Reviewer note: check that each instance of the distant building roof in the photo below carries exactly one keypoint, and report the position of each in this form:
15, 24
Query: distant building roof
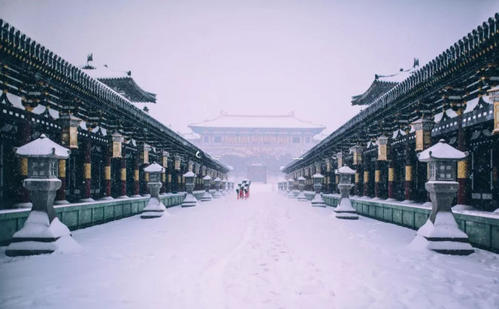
287, 121
382, 84
121, 82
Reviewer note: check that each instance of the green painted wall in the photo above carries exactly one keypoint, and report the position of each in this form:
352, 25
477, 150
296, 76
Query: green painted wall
482, 229
80, 215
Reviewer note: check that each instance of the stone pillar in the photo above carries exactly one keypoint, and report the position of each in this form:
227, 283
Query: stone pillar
344, 210
87, 172
154, 207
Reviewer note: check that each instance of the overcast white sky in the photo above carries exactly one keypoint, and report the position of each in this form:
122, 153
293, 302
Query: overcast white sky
259, 57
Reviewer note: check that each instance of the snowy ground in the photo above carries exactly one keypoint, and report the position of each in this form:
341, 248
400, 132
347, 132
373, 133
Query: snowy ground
266, 252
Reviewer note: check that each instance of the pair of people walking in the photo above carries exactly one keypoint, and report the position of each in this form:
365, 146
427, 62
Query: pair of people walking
243, 189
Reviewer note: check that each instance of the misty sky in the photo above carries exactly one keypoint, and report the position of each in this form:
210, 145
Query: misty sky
258, 57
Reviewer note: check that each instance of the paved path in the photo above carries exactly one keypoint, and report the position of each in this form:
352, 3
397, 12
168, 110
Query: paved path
265, 252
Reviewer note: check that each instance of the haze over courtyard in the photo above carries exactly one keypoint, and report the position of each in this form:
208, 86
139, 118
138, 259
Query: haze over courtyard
249, 154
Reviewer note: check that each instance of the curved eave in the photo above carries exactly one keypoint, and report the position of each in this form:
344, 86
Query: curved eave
129, 89
377, 89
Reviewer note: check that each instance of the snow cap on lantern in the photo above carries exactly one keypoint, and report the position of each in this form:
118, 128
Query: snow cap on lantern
317, 177
154, 171
189, 177
43, 154
345, 173
441, 158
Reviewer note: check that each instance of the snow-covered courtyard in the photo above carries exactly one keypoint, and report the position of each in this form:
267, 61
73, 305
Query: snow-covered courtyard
265, 252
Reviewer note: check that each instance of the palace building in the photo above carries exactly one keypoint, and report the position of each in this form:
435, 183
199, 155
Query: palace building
453, 97
94, 112
265, 140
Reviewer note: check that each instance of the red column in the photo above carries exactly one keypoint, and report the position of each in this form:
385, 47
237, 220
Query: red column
377, 179
61, 193
87, 171
22, 193
123, 176
462, 166
136, 174
366, 181
391, 177
107, 176
408, 173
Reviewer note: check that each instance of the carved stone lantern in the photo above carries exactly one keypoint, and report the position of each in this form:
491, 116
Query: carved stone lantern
42, 229
155, 207
344, 210
317, 200
301, 185
441, 230
217, 194
190, 200
207, 183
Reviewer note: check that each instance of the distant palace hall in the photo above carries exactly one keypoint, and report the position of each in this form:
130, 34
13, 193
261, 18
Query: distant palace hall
269, 140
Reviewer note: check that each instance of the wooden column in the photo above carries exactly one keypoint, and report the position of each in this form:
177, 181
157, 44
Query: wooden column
391, 179
107, 175
408, 173
60, 197
22, 194
87, 171
462, 166
164, 163
365, 176
123, 175
136, 177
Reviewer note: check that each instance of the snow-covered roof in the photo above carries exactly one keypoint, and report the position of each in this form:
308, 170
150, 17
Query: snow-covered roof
396, 77
317, 175
207, 177
345, 170
43, 147
287, 121
189, 174
217, 179
121, 82
441, 150
382, 84
192, 136
154, 168
301, 178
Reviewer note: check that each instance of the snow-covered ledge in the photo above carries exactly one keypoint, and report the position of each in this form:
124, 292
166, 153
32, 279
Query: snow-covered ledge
482, 227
